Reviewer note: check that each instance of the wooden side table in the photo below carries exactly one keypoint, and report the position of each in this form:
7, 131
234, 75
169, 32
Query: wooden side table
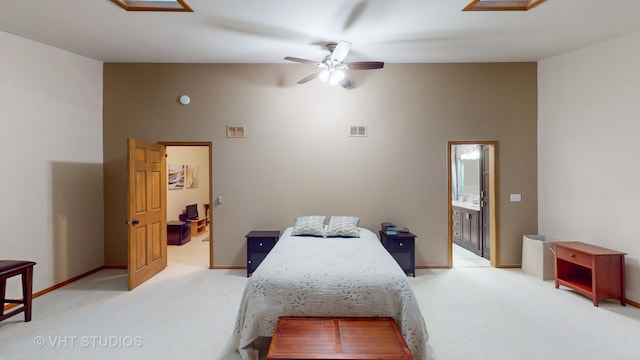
593, 271
259, 243
10, 268
402, 248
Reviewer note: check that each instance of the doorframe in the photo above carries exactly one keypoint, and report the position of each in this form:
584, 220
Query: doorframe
494, 241
208, 144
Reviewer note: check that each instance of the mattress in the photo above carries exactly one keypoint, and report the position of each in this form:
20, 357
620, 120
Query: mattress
327, 277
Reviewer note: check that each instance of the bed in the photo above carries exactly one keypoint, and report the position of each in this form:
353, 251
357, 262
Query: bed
333, 276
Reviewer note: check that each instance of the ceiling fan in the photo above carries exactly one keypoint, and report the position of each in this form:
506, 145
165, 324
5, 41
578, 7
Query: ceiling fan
333, 69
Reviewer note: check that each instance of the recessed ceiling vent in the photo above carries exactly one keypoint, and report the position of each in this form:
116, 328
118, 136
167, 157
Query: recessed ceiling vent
358, 130
502, 5
153, 5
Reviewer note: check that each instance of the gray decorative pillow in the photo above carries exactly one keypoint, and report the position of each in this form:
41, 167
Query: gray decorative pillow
344, 226
309, 225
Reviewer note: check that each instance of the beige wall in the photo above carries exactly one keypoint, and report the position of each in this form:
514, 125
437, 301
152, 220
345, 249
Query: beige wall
298, 159
51, 209
588, 149
178, 199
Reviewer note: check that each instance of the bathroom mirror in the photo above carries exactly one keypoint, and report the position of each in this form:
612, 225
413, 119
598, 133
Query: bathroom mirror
471, 177
465, 172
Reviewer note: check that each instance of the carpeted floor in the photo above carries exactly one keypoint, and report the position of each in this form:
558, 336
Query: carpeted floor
188, 312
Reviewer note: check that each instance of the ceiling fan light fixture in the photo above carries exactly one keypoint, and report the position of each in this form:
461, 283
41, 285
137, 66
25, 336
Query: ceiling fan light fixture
333, 77
336, 77
324, 76
334, 69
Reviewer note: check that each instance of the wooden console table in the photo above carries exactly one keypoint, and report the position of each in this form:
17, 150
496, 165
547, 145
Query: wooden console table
592, 271
198, 226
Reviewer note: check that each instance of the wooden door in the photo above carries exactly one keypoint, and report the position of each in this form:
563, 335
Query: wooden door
147, 220
485, 197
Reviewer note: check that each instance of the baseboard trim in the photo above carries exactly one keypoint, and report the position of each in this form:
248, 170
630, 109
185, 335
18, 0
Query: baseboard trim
632, 303
509, 266
115, 266
59, 285
228, 267
432, 267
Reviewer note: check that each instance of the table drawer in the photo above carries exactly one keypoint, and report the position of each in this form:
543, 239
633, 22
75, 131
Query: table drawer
574, 256
260, 243
397, 243
255, 259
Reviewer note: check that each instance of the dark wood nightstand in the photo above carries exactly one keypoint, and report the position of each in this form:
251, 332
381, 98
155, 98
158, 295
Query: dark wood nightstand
259, 243
402, 248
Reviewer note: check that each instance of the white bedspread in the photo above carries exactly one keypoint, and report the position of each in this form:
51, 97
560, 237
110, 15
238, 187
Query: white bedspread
309, 276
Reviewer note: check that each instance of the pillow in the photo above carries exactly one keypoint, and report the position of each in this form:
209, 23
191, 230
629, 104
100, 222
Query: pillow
344, 226
309, 225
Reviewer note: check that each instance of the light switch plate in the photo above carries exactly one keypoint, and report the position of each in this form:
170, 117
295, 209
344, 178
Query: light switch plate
515, 197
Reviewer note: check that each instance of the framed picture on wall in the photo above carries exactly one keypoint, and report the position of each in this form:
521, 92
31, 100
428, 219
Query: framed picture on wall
192, 177
176, 176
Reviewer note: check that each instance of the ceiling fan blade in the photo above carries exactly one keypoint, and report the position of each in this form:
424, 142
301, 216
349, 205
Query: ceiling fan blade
309, 78
354, 14
304, 61
340, 52
346, 82
365, 65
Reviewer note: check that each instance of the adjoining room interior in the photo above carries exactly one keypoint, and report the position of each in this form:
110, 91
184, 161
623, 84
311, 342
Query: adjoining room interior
465, 258
188, 171
473, 231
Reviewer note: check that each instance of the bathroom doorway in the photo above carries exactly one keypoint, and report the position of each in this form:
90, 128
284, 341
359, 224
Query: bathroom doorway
472, 209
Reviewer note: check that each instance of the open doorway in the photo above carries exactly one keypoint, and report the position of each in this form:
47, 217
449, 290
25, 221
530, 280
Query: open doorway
473, 240
189, 225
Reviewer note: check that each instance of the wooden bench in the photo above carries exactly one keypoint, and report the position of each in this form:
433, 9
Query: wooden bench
10, 268
338, 338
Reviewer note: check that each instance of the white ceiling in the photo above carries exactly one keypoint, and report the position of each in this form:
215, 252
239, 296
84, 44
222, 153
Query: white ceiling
265, 31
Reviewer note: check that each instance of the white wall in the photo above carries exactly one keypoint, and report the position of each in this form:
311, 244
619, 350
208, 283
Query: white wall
588, 149
51, 208
177, 200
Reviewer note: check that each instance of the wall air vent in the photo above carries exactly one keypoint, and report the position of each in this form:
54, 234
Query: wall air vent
236, 131
358, 130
